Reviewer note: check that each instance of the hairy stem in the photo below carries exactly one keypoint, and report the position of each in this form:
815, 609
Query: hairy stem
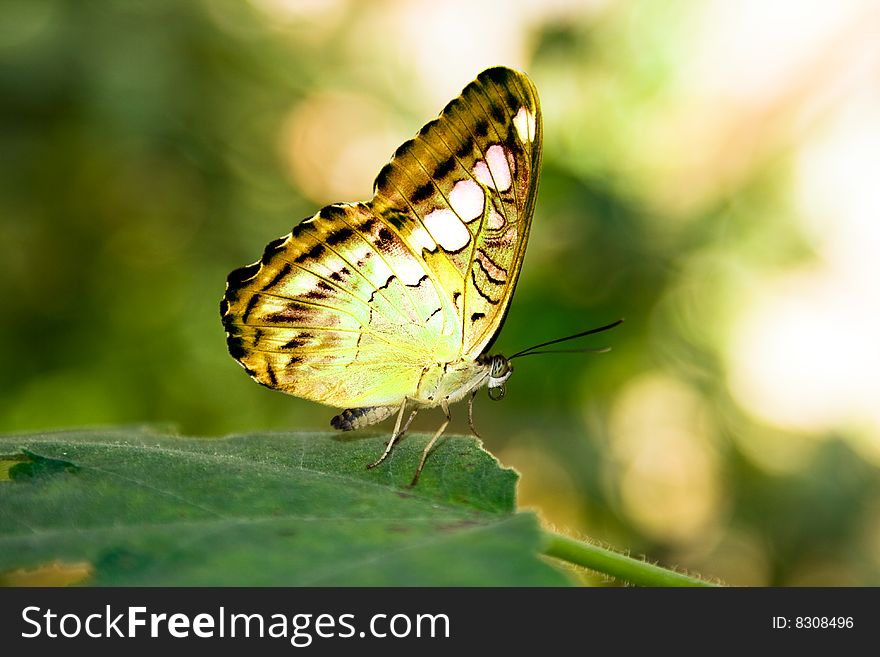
614, 564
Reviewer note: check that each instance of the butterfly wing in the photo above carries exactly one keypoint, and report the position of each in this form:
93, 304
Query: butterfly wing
358, 302
462, 195
338, 311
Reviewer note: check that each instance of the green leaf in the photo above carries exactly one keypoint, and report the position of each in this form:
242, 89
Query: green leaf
132, 507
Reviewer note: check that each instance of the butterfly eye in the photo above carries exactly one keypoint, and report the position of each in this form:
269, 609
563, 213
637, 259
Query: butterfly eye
497, 393
501, 368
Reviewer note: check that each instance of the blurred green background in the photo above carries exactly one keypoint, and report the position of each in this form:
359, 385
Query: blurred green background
710, 173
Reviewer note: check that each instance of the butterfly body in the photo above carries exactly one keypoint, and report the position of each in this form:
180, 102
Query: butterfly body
441, 382
372, 306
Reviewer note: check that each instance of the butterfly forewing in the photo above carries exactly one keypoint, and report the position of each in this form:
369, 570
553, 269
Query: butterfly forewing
355, 303
462, 194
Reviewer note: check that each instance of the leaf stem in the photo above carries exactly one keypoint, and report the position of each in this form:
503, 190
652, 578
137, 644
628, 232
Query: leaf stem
614, 564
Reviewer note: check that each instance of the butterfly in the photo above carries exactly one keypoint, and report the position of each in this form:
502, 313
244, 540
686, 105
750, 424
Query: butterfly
394, 303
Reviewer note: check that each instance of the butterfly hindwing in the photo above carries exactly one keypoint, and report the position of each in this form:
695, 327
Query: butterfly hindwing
358, 302
339, 291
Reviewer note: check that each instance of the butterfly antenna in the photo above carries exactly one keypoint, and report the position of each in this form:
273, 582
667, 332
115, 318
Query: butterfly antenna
531, 350
600, 350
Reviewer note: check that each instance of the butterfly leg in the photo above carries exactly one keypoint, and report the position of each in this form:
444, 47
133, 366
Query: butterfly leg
471, 415
396, 434
445, 406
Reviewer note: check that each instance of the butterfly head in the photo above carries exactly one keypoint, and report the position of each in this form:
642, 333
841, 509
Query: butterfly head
500, 370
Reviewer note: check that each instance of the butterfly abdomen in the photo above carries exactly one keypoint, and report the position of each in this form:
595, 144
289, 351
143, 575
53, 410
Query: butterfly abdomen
355, 418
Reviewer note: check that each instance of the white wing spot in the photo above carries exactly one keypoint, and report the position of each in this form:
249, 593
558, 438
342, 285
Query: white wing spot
446, 229
497, 159
496, 221
495, 174
481, 173
524, 122
422, 240
467, 199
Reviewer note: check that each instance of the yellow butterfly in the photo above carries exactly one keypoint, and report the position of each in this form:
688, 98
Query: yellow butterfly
379, 306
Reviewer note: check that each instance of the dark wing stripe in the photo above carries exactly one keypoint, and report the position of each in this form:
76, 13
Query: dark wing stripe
489, 277
298, 327
327, 281
525, 99
501, 141
323, 279
470, 139
520, 202
479, 140
494, 302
